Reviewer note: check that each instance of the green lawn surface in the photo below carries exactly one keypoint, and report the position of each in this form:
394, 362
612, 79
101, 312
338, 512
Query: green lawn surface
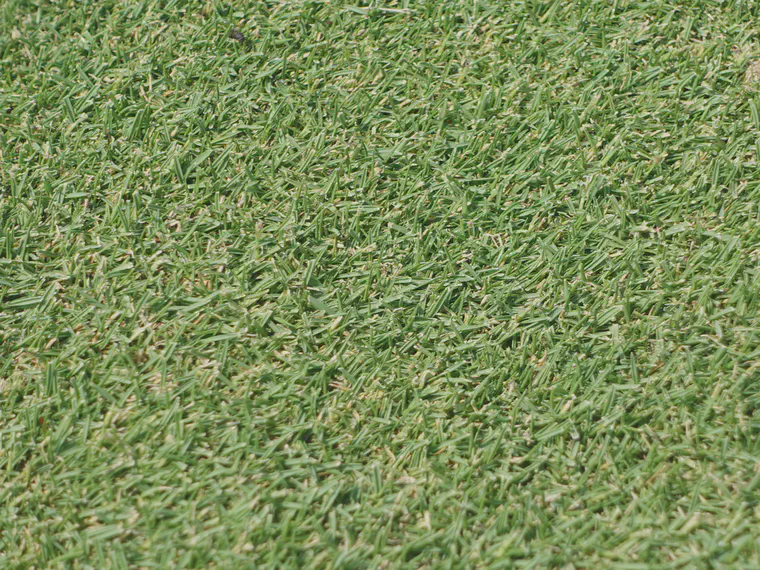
320, 284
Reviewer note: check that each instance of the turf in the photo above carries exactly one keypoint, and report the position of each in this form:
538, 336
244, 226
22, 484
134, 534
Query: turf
313, 284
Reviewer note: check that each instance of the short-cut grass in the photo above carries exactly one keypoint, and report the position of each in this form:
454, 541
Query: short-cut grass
322, 284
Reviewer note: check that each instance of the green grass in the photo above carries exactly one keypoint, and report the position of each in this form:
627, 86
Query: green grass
467, 284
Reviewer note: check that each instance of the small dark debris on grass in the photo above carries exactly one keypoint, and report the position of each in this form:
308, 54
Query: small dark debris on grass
238, 36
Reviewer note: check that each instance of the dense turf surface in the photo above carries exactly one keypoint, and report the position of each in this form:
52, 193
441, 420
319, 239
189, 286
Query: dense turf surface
442, 284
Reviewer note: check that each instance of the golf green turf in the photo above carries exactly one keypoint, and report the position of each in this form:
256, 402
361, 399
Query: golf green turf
314, 284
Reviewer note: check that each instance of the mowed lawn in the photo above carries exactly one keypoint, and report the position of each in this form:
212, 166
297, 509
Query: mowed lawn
320, 284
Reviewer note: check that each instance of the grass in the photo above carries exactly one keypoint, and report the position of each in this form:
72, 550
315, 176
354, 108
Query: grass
315, 284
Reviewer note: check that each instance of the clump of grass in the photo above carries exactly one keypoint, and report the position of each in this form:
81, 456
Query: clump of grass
409, 284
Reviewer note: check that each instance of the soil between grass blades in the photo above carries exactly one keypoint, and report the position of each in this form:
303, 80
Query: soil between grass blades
417, 284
